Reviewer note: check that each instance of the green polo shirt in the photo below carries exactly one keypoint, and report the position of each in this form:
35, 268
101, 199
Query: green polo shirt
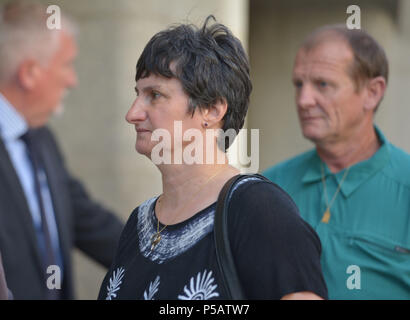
366, 242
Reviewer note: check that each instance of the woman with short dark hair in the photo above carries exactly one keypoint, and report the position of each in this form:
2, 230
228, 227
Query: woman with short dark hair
191, 82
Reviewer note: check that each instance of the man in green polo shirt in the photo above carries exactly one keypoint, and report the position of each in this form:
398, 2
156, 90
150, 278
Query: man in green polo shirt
354, 186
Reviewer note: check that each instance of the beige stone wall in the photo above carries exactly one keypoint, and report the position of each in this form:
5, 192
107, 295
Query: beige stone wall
276, 30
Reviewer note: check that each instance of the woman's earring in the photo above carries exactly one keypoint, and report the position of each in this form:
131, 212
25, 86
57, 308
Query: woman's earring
205, 124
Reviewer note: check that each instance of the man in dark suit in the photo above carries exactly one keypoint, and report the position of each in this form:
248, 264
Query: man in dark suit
44, 211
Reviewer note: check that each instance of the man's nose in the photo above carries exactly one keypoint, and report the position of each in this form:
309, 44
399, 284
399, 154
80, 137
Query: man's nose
305, 97
137, 112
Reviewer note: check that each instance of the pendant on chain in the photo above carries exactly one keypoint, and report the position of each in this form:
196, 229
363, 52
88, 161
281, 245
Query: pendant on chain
326, 216
156, 238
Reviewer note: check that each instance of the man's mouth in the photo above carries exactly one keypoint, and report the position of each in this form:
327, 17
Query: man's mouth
309, 118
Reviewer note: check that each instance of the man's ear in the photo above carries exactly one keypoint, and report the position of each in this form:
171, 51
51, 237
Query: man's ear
375, 91
212, 116
28, 74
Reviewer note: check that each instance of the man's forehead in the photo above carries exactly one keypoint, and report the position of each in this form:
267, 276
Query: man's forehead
66, 50
331, 55
68, 40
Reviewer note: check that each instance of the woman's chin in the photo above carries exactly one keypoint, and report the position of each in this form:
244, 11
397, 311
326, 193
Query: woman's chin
143, 150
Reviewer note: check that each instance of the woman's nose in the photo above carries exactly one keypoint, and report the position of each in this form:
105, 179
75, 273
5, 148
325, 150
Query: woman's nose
136, 113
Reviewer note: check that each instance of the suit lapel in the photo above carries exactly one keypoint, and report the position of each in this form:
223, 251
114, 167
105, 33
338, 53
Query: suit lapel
16, 194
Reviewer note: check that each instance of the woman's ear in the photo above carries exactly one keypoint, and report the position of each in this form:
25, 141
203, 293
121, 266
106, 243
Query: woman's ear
213, 115
375, 91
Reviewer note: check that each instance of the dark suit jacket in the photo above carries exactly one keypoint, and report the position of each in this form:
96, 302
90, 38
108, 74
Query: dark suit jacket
4, 293
80, 222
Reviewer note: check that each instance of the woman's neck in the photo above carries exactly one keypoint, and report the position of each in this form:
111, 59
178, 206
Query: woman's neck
189, 188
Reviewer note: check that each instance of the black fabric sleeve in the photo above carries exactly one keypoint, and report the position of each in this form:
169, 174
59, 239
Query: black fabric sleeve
276, 252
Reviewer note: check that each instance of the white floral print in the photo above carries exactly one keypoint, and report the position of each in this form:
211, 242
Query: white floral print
152, 290
115, 282
201, 289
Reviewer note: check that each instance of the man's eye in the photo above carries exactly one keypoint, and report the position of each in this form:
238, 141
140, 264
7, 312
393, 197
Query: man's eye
322, 84
155, 95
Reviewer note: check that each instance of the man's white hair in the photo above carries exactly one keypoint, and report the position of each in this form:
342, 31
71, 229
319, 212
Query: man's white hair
24, 35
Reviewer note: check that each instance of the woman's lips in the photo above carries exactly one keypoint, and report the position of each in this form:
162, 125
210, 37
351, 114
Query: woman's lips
142, 130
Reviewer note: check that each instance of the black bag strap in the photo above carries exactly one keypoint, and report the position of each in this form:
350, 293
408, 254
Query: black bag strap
224, 256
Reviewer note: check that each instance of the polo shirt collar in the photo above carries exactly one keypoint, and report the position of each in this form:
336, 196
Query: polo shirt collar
358, 173
12, 124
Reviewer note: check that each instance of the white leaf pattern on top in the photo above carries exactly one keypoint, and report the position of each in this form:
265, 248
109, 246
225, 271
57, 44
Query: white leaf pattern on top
201, 289
115, 282
152, 289
173, 243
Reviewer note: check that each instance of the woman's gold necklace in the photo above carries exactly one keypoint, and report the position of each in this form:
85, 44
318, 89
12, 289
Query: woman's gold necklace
156, 238
326, 215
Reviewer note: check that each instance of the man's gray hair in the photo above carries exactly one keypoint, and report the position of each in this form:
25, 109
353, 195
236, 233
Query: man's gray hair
24, 35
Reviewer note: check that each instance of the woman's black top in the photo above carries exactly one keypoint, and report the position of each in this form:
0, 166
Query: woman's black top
275, 251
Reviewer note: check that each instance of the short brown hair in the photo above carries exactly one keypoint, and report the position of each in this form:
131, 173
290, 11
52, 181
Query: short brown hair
369, 58
211, 65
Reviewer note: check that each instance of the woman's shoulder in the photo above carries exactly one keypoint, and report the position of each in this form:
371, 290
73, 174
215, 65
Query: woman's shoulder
260, 209
258, 190
261, 203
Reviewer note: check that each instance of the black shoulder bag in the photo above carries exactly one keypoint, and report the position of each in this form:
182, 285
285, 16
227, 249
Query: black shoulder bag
224, 256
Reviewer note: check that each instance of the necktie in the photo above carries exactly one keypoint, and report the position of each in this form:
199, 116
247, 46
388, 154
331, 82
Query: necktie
48, 254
